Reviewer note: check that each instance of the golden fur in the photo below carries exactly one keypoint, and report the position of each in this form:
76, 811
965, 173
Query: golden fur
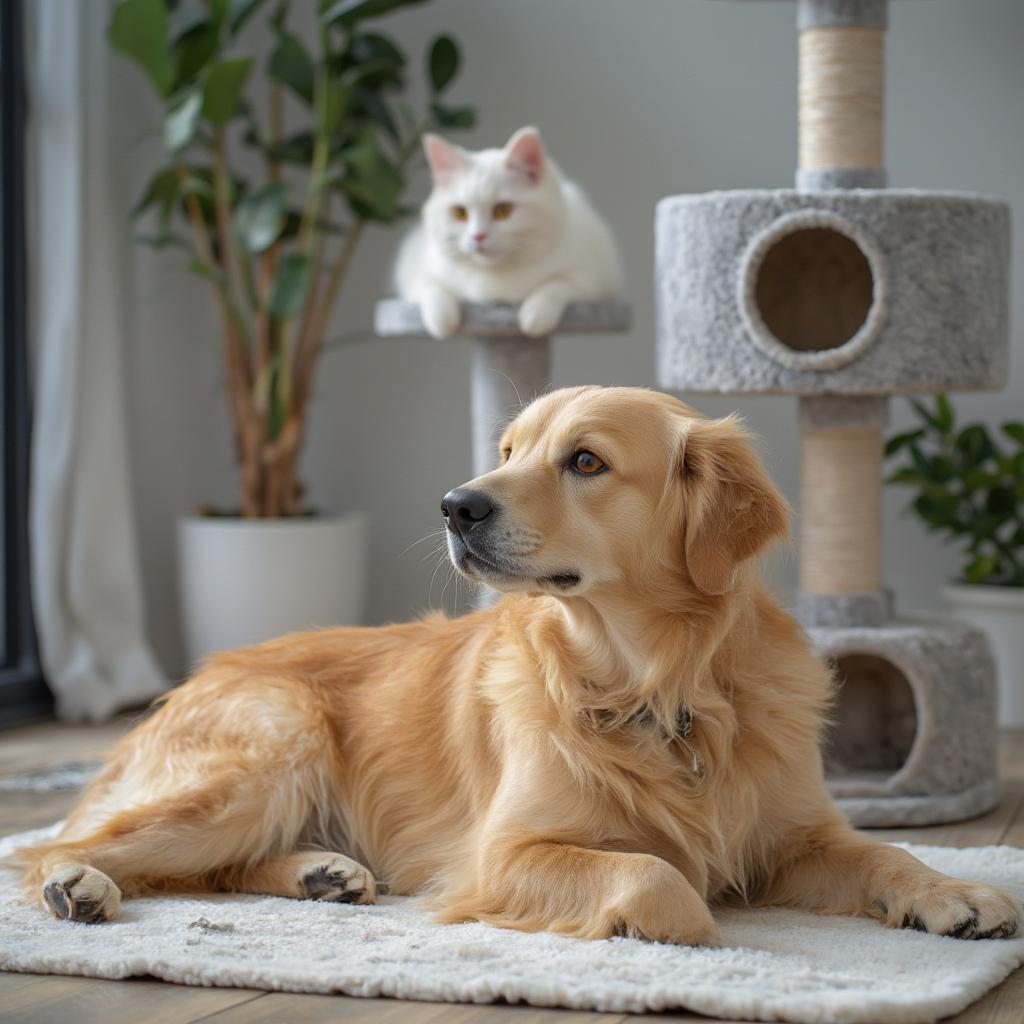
630, 736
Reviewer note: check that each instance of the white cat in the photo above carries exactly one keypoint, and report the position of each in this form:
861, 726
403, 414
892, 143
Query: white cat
504, 225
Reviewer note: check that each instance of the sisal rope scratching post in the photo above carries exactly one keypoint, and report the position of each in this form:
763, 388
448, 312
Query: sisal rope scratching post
841, 130
840, 511
841, 94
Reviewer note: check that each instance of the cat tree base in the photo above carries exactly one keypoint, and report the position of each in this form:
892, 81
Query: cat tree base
914, 719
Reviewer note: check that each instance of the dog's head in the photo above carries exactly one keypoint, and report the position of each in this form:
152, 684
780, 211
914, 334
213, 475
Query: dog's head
606, 487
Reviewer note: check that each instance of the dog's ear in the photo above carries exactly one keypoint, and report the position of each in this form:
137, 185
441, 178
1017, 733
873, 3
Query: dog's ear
732, 510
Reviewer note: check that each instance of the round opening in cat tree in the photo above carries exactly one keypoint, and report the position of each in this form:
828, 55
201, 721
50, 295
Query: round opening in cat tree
812, 291
875, 721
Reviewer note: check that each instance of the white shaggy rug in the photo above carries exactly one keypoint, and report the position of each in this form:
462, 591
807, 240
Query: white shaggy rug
774, 965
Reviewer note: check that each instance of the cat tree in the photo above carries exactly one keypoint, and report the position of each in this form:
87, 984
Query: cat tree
843, 292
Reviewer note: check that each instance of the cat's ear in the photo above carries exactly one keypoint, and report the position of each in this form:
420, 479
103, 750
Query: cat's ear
444, 158
525, 152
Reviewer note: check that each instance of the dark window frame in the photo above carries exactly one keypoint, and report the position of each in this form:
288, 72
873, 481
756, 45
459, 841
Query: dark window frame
23, 694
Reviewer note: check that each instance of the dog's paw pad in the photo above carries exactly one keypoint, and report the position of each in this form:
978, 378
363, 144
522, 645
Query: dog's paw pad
79, 893
339, 880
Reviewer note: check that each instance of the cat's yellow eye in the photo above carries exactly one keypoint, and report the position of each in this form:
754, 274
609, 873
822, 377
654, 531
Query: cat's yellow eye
502, 211
460, 212
587, 464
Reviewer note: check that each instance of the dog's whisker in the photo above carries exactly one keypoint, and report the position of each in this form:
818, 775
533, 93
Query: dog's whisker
433, 575
429, 536
440, 548
514, 386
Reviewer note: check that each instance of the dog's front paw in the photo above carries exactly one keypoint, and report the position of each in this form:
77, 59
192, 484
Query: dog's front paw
540, 314
76, 892
699, 930
659, 905
334, 878
441, 314
960, 910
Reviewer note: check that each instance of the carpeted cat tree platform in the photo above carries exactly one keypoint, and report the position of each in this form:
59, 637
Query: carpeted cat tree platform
844, 292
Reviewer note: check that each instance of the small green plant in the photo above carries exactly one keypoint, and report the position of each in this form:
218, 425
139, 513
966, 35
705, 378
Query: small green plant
275, 251
969, 488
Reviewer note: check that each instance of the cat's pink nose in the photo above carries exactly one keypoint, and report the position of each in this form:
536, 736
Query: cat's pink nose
479, 236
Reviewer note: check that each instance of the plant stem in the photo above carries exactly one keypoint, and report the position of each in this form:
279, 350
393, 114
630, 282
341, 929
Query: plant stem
235, 276
235, 360
311, 342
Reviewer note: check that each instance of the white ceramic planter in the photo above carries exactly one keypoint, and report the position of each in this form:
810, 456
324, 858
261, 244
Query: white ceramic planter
246, 580
999, 611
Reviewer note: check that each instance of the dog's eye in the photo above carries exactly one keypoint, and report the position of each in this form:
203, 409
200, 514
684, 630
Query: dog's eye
460, 212
502, 211
587, 463
506, 454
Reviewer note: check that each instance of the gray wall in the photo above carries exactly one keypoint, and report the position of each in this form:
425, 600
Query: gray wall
637, 100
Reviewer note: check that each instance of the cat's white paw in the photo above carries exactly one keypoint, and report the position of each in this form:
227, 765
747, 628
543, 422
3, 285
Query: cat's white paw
441, 315
539, 314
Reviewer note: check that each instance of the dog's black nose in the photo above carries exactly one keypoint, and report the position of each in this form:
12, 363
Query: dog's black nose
463, 509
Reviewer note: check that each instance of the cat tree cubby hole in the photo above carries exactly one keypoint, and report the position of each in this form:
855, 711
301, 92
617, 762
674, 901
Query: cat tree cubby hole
811, 290
874, 721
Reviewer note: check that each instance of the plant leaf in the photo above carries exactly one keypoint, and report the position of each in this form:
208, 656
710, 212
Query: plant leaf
193, 53
974, 445
240, 11
291, 284
943, 414
370, 106
898, 441
371, 183
162, 191
453, 117
1015, 431
336, 99
442, 63
259, 217
181, 121
372, 46
904, 475
223, 88
139, 30
346, 12
934, 469
981, 569
290, 63
185, 16
924, 412
1001, 501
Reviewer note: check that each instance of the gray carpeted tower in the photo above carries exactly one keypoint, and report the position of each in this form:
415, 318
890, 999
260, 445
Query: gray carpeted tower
844, 292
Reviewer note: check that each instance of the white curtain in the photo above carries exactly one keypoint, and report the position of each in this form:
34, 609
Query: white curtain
87, 591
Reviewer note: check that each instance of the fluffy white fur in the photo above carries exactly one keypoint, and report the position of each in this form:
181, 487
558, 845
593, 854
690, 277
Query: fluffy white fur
504, 225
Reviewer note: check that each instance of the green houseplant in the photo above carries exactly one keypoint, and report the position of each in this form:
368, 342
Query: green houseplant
279, 154
968, 484
275, 251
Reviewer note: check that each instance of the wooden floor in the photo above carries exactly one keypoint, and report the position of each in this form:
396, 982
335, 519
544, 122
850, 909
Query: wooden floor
39, 999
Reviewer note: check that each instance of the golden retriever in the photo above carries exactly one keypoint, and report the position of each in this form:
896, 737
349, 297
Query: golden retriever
630, 736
